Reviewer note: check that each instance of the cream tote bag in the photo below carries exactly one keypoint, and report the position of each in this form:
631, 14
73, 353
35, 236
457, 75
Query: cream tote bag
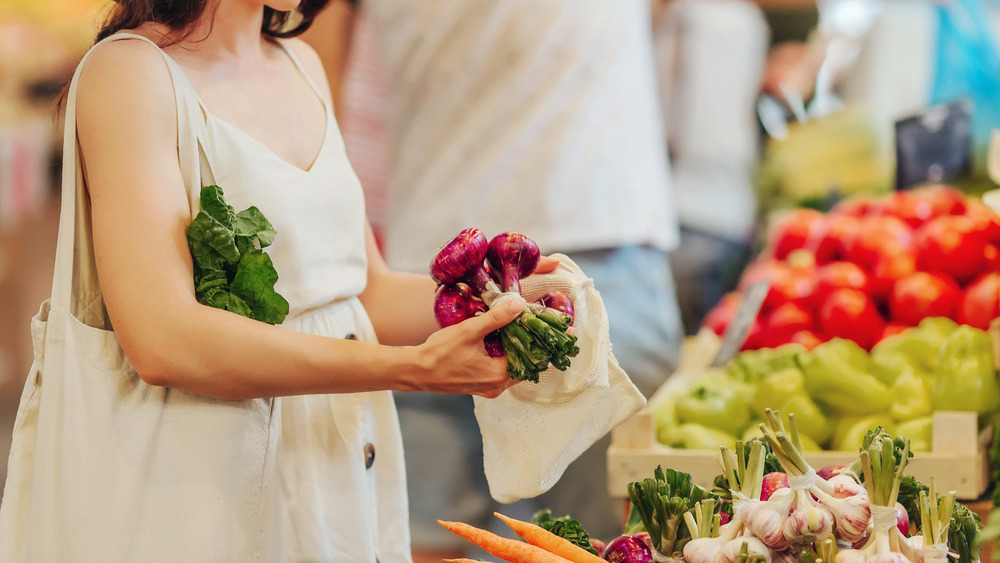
104, 467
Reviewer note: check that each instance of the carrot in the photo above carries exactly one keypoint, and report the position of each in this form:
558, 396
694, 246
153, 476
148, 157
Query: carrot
515, 551
540, 537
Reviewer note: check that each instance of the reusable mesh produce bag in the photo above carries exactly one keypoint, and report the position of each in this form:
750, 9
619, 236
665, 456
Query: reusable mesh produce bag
534, 431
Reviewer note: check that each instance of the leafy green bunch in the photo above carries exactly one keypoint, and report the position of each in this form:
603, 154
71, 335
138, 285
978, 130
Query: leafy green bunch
231, 271
658, 506
564, 527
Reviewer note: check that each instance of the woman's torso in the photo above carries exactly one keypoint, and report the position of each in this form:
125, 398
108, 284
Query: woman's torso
332, 501
316, 204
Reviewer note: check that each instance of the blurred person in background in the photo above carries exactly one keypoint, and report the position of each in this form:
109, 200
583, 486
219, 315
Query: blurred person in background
713, 61
710, 60
539, 117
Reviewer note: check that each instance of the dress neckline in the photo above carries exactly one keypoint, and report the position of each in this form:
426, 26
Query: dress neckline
209, 116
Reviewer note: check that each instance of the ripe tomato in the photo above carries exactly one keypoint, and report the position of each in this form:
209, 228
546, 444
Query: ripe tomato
991, 258
755, 337
807, 338
986, 221
718, 317
921, 295
837, 234
761, 269
890, 268
851, 314
877, 236
792, 231
787, 319
951, 244
944, 200
857, 206
837, 275
981, 301
914, 211
793, 286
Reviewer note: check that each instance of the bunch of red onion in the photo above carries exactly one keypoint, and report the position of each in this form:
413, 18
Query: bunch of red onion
475, 275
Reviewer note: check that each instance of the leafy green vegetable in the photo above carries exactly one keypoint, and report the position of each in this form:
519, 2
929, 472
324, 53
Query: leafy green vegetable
564, 527
963, 534
720, 484
231, 271
658, 506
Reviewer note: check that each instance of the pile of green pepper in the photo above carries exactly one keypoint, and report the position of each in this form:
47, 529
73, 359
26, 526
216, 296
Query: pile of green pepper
838, 391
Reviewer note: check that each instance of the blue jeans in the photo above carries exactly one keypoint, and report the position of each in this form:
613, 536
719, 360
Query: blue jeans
444, 452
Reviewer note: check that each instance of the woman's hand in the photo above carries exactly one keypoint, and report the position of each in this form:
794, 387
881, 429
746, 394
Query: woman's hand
454, 359
546, 265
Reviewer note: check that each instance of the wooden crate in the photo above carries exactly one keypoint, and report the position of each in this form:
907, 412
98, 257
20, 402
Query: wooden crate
958, 462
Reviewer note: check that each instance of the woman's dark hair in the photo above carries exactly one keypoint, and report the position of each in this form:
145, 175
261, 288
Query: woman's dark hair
180, 15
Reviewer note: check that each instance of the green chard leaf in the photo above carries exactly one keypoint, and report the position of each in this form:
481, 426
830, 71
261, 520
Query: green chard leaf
564, 527
231, 272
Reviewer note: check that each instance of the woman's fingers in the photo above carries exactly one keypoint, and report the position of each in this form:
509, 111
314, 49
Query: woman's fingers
495, 318
546, 264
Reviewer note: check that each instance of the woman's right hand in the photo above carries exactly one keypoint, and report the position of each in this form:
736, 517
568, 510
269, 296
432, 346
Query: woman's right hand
454, 360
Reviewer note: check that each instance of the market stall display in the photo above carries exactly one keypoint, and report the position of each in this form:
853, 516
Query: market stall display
871, 267
768, 503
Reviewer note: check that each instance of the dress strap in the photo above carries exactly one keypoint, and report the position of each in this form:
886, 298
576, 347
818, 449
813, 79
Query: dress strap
302, 71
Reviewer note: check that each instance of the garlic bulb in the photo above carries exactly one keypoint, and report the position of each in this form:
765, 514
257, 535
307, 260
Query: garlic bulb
845, 486
851, 514
701, 550
765, 520
808, 524
731, 550
887, 557
851, 556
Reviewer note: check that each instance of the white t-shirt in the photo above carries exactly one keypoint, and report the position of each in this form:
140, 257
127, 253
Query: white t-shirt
535, 116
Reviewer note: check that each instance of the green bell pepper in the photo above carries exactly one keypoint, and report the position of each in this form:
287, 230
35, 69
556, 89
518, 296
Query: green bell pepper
920, 432
918, 347
836, 375
754, 365
809, 418
696, 437
776, 388
849, 431
910, 398
716, 402
753, 431
965, 379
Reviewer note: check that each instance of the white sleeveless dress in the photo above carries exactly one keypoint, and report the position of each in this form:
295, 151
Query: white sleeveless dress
169, 476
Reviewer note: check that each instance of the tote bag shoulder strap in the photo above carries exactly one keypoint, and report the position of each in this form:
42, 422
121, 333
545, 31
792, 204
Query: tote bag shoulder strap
74, 285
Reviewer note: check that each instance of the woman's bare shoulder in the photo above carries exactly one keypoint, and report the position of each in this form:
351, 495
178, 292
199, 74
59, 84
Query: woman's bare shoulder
125, 79
310, 61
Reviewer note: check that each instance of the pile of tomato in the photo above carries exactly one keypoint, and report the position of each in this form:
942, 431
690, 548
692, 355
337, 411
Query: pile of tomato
871, 267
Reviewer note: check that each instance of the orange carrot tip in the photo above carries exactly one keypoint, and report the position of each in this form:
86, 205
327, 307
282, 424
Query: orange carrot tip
514, 551
540, 537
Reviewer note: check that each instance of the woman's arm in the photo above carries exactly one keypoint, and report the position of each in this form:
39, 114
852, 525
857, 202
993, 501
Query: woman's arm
400, 305
127, 135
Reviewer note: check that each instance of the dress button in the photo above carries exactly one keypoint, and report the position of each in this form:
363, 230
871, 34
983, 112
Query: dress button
350, 336
369, 455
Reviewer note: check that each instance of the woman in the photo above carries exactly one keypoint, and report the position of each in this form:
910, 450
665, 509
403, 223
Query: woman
180, 458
